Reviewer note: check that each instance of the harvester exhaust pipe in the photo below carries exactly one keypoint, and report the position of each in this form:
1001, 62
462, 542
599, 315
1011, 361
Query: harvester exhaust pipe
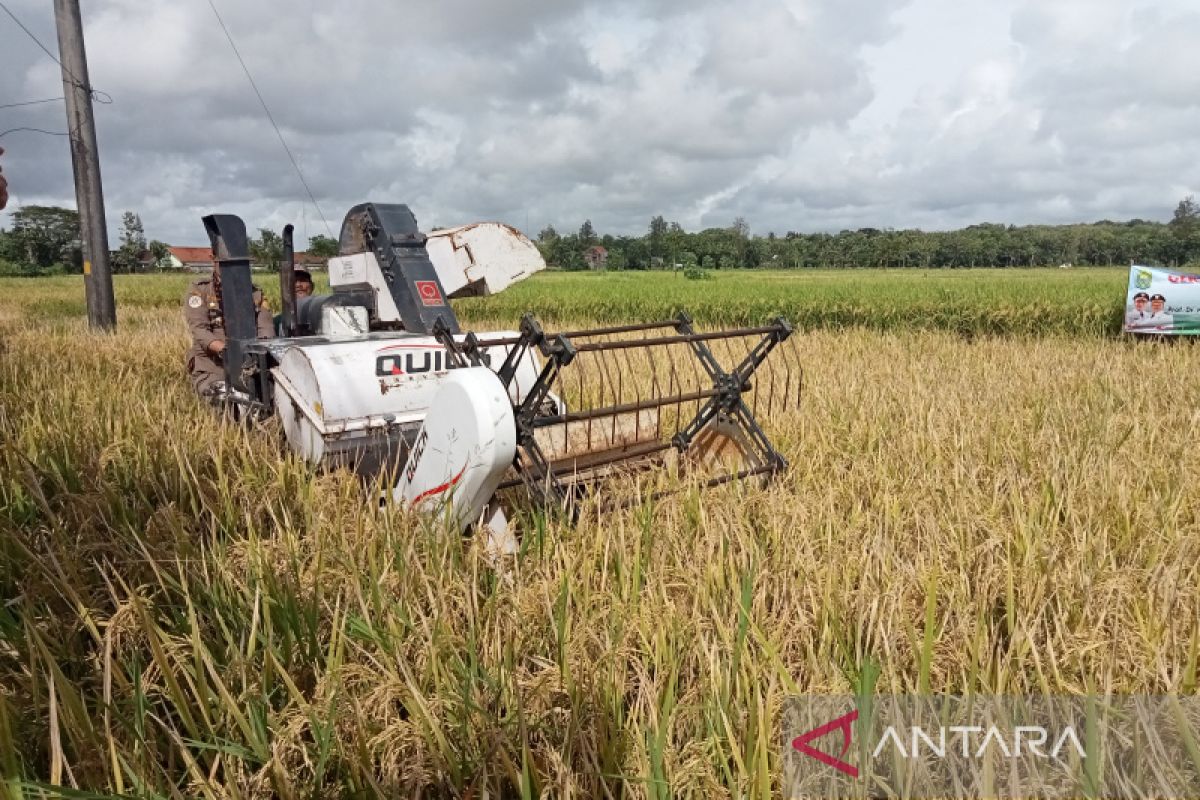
231, 250
287, 281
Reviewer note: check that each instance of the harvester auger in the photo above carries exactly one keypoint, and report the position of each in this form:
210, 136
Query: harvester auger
377, 376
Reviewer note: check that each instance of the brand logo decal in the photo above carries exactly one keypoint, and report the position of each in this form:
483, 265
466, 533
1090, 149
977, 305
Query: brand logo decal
429, 293
416, 360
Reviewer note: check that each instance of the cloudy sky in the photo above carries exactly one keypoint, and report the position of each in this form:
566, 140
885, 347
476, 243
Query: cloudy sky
803, 115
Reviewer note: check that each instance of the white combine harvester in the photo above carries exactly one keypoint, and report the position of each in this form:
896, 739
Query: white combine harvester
377, 376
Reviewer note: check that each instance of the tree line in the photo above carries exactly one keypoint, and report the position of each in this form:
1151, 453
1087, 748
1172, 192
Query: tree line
45, 239
666, 245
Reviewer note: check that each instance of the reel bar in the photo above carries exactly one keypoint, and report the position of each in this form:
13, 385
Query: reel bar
625, 408
584, 464
593, 332
641, 326
622, 344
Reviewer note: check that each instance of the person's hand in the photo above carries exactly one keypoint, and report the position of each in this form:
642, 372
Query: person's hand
217, 347
3, 185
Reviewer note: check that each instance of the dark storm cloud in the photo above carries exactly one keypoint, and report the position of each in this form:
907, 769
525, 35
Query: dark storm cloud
542, 111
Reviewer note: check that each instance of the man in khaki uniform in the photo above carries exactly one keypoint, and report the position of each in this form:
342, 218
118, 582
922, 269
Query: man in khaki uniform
206, 323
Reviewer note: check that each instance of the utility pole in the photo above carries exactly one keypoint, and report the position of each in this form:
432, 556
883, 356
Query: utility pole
85, 160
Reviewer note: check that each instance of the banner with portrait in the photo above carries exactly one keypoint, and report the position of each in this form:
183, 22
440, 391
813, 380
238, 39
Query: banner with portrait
1163, 302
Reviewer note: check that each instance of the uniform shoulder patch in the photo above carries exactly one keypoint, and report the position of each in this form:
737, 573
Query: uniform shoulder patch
195, 301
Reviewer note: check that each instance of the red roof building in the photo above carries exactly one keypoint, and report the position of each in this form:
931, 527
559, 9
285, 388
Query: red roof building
191, 257
596, 256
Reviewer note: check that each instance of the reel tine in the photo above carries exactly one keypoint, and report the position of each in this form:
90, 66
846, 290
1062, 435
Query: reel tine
796, 366
632, 371
655, 389
781, 379
596, 392
764, 382
583, 389
699, 377
673, 386
620, 393
615, 388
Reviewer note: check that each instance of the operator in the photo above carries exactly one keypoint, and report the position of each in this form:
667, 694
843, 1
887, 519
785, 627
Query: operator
302, 287
206, 323
302, 283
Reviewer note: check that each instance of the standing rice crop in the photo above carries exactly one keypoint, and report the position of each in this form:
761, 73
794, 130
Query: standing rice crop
185, 610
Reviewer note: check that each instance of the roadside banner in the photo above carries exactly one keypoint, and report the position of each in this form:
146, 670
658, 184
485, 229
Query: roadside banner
1162, 301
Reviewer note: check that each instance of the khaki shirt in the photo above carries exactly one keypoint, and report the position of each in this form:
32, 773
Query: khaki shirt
206, 323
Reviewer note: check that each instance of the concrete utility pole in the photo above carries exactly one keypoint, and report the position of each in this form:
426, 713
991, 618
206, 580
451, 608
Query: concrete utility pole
85, 159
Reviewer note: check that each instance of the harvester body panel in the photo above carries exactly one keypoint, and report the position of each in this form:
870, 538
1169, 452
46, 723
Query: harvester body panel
361, 271
464, 447
360, 401
482, 259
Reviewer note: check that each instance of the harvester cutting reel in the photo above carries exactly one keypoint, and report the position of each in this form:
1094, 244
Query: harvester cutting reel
643, 396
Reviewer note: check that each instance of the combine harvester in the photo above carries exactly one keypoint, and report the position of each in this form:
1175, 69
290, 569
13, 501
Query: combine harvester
377, 376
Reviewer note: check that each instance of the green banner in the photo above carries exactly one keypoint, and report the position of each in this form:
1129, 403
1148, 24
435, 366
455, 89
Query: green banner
1162, 302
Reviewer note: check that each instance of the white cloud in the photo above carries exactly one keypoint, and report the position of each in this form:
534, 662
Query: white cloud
796, 114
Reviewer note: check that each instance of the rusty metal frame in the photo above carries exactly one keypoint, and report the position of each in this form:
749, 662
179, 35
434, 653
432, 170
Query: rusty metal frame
722, 402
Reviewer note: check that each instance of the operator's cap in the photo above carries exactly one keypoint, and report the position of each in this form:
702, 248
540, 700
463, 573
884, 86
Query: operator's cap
1158, 297
302, 275
1141, 296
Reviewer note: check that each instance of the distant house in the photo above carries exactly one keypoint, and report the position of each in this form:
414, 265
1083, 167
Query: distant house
595, 257
310, 262
192, 259
199, 259
145, 261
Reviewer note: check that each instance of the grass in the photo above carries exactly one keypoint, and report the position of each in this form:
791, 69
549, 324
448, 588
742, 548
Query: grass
1086, 302
1079, 302
187, 612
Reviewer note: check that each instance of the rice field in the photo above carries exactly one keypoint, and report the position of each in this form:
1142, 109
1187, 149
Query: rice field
1086, 302
1077, 302
999, 501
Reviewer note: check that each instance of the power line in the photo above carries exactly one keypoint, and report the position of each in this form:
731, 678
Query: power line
34, 130
103, 98
99, 97
271, 118
36, 40
32, 102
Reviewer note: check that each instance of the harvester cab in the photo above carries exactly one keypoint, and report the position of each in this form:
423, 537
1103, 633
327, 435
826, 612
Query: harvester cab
377, 376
